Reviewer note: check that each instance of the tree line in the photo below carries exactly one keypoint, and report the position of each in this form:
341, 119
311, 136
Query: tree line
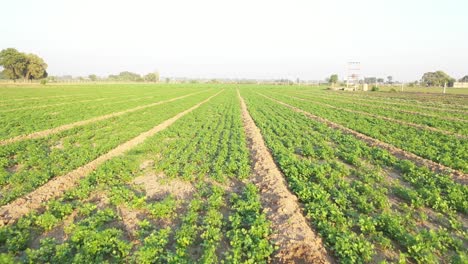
429, 79
18, 65
124, 76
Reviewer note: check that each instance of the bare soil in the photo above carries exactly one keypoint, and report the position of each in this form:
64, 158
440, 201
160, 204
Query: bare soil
158, 186
297, 242
58, 185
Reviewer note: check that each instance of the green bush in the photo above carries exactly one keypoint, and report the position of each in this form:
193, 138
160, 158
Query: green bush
375, 88
43, 81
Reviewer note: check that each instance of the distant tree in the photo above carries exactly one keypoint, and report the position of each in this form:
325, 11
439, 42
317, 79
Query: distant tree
370, 80
438, 78
380, 80
20, 65
92, 77
51, 79
390, 79
333, 78
129, 76
126, 76
36, 67
168, 80
151, 77
14, 63
464, 79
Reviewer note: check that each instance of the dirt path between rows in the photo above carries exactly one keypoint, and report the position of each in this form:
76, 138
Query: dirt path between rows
297, 242
55, 130
456, 175
58, 185
449, 133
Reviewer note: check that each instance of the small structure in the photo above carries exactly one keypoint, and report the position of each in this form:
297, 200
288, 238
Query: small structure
460, 85
353, 74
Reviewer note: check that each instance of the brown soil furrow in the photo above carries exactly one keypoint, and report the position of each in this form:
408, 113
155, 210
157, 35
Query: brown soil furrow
58, 185
297, 242
384, 118
457, 176
390, 108
55, 130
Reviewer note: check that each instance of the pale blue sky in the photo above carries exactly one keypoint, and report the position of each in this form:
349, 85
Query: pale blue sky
241, 38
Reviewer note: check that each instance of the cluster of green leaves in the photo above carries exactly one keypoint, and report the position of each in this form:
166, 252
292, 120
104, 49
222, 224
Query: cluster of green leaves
90, 240
188, 231
249, 229
344, 187
153, 249
212, 226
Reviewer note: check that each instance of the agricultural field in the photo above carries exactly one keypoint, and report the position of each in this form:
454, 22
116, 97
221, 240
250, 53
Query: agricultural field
224, 173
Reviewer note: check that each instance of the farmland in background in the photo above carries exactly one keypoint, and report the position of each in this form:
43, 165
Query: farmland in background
173, 173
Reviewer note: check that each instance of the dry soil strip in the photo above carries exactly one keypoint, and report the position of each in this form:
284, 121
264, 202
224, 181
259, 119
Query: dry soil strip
297, 242
449, 133
346, 101
457, 176
55, 130
57, 186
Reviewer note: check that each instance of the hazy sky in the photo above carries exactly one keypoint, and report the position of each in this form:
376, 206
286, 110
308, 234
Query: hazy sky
307, 39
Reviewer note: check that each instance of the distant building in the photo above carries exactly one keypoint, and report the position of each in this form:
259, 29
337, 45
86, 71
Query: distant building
460, 85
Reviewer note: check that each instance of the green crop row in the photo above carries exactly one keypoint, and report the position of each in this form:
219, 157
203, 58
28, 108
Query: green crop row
438, 104
168, 229
445, 149
436, 111
45, 102
348, 192
25, 165
31, 120
460, 127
